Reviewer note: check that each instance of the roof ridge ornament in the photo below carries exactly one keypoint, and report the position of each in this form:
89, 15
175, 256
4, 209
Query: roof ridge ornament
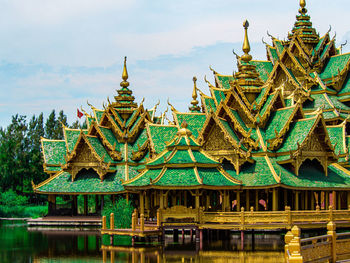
246, 57
125, 76
194, 102
302, 9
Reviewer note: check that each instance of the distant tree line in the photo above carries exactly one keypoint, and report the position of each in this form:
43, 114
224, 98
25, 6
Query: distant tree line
21, 160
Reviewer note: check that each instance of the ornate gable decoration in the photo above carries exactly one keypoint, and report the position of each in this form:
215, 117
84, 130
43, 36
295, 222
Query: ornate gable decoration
84, 156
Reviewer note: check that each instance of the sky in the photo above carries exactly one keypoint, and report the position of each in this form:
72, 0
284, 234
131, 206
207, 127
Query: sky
59, 54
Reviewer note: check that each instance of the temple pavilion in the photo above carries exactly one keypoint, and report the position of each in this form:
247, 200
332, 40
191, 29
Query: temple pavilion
273, 134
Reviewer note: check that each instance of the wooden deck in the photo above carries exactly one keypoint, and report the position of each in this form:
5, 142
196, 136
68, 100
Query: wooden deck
66, 221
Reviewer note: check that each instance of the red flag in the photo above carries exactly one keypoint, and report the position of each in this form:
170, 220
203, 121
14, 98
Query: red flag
79, 113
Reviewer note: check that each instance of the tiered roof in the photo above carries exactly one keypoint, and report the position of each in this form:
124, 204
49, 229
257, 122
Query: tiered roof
260, 127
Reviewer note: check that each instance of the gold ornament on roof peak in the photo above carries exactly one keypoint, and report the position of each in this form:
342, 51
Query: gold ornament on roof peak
125, 75
246, 46
184, 131
302, 9
194, 102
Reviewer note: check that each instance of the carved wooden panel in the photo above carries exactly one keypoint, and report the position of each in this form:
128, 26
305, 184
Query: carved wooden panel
217, 141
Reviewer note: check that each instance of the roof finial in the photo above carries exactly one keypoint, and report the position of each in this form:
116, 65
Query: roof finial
194, 102
302, 9
246, 47
125, 76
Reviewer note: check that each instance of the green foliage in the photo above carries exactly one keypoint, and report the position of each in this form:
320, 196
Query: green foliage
21, 160
10, 198
122, 213
13, 205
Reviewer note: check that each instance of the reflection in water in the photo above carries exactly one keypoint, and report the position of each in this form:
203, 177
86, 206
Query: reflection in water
19, 244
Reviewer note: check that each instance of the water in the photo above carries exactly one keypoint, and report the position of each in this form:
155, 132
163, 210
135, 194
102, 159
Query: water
21, 244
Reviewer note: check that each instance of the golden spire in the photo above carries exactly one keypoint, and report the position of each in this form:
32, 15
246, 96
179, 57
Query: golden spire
125, 76
246, 47
194, 102
302, 9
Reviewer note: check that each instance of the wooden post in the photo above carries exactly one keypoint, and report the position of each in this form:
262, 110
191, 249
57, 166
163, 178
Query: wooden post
348, 197
159, 220
331, 226
274, 199
142, 222
289, 217
127, 197
96, 203
296, 205
104, 225
185, 198
238, 198
339, 194
312, 200
285, 197
207, 203
242, 218
161, 200
197, 199
133, 221
111, 225
326, 199
256, 200
334, 200
330, 213
306, 206
142, 203
85, 205
247, 200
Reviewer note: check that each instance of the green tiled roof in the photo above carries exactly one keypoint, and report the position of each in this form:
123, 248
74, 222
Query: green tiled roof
229, 130
99, 149
53, 168
211, 176
336, 135
87, 181
239, 119
54, 151
267, 103
99, 114
195, 121
256, 174
110, 137
225, 81
144, 178
71, 137
219, 96
210, 104
178, 177
312, 177
279, 46
264, 68
297, 134
274, 54
335, 64
160, 134
277, 121
346, 86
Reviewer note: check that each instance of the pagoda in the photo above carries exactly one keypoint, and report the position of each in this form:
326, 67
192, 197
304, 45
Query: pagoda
273, 134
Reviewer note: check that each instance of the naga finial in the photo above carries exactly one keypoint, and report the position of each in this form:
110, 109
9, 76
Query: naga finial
246, 46
125, 76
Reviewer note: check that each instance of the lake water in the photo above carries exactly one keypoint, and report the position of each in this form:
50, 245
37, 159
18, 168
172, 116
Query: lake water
21, 244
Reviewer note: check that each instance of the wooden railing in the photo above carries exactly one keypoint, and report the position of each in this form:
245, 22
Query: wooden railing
253, 219
326, 248
244, 220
